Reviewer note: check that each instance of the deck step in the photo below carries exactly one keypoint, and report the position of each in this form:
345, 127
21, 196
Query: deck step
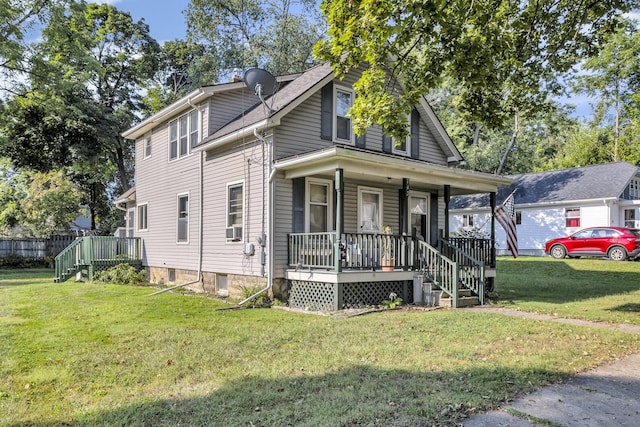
466, 301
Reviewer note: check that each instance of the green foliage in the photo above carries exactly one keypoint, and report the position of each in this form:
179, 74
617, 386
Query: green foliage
243, 34
393, 301
506, 56
261, 300
121, 274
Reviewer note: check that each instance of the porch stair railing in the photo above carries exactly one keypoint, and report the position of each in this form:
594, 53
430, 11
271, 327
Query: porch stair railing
453, 272
93, 253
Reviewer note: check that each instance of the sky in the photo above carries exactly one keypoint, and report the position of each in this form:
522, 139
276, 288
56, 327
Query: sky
165, 18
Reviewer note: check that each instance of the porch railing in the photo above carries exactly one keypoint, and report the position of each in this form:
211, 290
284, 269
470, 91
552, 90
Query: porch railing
442, 271
479, 249
96, 252
363, 251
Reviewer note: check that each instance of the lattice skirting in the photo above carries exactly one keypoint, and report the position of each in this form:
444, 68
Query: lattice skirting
320, 296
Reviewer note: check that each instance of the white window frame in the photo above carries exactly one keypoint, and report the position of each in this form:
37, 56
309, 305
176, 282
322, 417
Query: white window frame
468, 220
351, 92
178, 213
407, 144
185, 137
231, 185
147, 145
567, 217
142, 217
307, 204
427, 198
371, 190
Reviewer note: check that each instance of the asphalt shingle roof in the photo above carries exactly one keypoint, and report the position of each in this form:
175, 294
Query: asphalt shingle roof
581, 183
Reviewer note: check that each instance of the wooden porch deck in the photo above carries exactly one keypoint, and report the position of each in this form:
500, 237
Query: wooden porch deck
457, 267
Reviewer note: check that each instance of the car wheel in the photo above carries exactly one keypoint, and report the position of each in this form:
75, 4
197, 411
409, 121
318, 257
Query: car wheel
617, 253
558, 252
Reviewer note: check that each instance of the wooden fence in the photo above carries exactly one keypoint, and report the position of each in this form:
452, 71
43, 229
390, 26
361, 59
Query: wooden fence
32, 248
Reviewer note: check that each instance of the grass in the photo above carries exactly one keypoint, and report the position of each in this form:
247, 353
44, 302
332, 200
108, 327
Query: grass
89, 354
588, 289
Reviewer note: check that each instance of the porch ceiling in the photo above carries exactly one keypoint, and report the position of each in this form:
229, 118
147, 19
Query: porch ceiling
379, 167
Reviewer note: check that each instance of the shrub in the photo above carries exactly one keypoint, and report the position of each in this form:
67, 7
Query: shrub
122, 274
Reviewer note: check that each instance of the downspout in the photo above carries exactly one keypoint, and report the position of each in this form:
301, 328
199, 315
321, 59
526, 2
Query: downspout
269, 241
200, 218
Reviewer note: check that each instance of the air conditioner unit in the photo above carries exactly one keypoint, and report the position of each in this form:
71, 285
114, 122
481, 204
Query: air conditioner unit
234, 233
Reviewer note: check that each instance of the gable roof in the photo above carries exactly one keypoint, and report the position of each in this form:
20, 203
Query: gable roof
284, 100
605, 181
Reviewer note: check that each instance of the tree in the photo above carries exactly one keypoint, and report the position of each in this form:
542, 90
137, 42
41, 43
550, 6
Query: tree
277, 35
508, 56
85, 89
613, 79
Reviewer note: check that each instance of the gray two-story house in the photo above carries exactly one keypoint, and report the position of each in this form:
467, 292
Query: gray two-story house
282, 196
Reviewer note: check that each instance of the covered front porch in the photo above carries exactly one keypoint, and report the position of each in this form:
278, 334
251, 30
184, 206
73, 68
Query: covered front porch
343, 250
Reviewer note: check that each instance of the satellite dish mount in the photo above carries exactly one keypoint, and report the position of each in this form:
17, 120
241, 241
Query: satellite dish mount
262, 83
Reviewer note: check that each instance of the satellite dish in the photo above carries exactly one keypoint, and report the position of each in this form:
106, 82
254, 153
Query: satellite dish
262, 82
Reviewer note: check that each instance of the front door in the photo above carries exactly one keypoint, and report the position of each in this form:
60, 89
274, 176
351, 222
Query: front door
418, 207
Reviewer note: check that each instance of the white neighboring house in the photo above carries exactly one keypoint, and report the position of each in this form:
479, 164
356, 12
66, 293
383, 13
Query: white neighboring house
556, 203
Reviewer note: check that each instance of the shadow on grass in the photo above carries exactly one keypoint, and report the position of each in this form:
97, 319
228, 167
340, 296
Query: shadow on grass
562, 281
631, 307
360, 395
25, 276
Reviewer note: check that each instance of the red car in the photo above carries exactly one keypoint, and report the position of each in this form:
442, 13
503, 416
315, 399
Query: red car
616, 243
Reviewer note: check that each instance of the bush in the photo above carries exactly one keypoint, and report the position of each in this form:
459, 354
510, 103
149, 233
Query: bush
122, 274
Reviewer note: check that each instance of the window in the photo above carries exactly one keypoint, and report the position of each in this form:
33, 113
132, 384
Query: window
183, 218
404, 146
370, 210
467, 221
183, 135
518, 217
572, 217
147, 145
630, 218
142, 217
193, 128
318, 206
342, 127
235, 212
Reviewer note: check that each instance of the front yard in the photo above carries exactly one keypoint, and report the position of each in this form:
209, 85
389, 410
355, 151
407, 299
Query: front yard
89, 354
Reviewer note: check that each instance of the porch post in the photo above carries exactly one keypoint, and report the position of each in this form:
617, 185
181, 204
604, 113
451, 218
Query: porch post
339, 184
404, 221
447, 199
492, 203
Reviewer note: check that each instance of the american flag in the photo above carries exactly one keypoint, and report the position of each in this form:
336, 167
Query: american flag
505, 214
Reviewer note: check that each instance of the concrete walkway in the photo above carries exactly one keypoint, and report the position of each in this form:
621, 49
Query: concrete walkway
606, 396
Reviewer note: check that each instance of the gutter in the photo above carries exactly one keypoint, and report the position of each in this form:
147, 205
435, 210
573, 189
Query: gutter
241, 133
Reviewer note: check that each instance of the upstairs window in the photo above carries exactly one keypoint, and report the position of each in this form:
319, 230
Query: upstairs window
147, 145
572, 217
342, 126
183, 135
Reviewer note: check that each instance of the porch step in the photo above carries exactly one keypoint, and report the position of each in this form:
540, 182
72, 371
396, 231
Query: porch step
463, 301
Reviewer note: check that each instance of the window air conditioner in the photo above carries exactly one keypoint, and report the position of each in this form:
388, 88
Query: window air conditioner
234, 233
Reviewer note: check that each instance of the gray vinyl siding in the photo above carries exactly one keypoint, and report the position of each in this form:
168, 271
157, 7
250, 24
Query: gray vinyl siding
299, 131
283, 222
222, 168
226, 106
158, 183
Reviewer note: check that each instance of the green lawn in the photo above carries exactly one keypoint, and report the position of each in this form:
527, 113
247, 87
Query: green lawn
589, 289
89, 354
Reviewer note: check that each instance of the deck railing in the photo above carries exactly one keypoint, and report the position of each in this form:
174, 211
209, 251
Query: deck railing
470, 270
442, 271
96, 252
479, 249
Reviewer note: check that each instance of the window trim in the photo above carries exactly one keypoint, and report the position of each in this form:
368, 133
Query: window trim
140, 216
307, 202
352, 94
380, 193
468, 220
178, 197
230, 185
407, 142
